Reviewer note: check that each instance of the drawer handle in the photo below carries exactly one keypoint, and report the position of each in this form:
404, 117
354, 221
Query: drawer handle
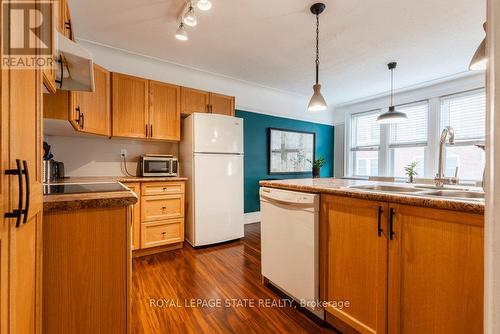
164, 189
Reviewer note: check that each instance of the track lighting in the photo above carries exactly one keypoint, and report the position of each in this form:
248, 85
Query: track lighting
181, 33
190, 16
204, 4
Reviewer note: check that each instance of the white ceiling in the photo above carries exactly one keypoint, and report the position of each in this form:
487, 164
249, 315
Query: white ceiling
271, 43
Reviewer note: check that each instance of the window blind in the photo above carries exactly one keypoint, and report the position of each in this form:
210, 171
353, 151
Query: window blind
365, 131
412, 132
466, 114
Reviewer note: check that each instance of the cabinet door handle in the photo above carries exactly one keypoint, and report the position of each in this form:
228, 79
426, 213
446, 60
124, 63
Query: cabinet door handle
83, 120
27, 182
77, 109
151, 131
208, 108
391, 223
17, 213
146, 131
379, 227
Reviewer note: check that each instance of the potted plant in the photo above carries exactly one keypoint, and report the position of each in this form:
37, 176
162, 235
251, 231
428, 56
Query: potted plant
411, 171
316, 166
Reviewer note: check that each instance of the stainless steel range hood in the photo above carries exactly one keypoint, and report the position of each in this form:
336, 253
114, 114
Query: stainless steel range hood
74, 70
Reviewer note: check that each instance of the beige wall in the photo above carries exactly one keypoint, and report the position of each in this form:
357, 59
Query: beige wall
95, 156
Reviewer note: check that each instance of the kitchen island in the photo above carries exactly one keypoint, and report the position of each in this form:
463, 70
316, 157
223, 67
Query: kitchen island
407, 258
87, 258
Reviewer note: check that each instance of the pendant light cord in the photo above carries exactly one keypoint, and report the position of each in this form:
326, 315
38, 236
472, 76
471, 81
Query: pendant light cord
317, 48
392, 86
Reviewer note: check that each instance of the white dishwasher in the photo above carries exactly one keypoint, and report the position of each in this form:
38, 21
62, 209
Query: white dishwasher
290, 244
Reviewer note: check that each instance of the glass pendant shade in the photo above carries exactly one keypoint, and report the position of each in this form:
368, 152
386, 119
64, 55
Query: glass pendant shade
181, 33
204, 4
392, 116
190, 17
479, 60
317, 102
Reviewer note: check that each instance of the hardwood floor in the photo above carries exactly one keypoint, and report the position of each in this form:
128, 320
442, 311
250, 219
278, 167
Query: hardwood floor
165, 285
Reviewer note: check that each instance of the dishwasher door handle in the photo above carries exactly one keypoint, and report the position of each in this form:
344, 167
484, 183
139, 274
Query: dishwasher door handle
285, 202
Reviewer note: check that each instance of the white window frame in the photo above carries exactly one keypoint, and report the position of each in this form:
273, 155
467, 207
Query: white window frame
351, 149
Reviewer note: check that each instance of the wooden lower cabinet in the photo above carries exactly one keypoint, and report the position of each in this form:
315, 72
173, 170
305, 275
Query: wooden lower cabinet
356, 262
435, 272
403, 269
158, 223
87, 271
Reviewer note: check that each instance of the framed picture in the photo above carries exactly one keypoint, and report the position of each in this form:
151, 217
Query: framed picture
290, 151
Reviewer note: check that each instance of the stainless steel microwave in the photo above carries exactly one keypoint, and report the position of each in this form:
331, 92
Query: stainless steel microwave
159, 166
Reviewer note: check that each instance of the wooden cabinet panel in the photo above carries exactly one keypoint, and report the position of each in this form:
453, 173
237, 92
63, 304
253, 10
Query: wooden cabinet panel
64, 24
92, 110
136, 216
57, 106
162, 207
164, 111
129, 106
194, 100
435, 272
221, 104
355, 264
162, 233
87, 271
21, 138
162, 188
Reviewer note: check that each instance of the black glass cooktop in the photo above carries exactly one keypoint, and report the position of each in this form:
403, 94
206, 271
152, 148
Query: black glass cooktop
81, 188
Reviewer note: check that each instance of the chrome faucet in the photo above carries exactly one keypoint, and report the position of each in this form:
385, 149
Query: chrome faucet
440, 180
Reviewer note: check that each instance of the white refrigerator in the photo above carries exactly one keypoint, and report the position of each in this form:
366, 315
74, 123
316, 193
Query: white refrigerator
211, 157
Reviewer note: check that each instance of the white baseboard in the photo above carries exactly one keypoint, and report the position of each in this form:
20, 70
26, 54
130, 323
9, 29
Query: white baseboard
252, 217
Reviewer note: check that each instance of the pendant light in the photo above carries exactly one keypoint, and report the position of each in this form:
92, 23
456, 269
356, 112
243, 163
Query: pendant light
190, 16
204, 4
392, 116
181, 33
479, 60
317, 102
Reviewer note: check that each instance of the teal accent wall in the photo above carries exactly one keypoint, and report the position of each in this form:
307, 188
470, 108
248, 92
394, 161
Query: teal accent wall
256, 150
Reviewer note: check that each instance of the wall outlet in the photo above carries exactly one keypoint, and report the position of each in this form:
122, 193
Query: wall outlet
123, 153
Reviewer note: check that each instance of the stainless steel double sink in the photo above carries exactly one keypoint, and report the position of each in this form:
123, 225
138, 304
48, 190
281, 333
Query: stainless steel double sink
423, 190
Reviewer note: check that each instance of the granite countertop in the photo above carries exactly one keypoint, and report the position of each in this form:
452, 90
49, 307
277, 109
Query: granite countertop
340, 187
124, 179
63, 202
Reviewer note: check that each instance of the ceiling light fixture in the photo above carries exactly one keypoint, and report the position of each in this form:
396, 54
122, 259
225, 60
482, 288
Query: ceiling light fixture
204, 4
392, 116
190, 16
317, 102
181, 33
479, 60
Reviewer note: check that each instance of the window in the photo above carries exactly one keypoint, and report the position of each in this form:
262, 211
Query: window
408, 140
365, 140
466, 114
384, 150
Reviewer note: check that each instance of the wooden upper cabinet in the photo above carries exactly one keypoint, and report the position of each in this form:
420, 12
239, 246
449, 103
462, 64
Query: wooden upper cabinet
91, 111
221, 104
64, 24
129, 106
194, 100
355, 261
435, 272
164, 111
